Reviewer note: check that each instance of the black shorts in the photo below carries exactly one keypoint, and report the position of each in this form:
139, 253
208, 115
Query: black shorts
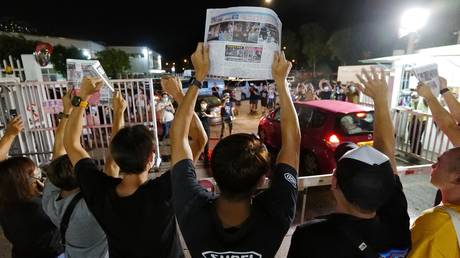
253, 101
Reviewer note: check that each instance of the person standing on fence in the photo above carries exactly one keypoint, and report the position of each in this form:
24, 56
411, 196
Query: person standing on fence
135, 212
417, 124
62, 200
237, 223
371, 217
22, 218
166, 111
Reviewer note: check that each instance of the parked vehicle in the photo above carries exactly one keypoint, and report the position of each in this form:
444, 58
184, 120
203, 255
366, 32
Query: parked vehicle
324, 125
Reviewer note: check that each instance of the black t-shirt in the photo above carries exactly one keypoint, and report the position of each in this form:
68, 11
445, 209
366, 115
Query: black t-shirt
325, 94
204, 119
388, 233
254, 94
31, 232
264, 95
139, 225
260, 235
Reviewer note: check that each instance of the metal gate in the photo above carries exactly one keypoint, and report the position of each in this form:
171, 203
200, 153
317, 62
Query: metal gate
38, 103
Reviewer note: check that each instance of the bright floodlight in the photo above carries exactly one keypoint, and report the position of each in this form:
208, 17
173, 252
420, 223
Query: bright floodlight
145, 52
268, 1
413, 20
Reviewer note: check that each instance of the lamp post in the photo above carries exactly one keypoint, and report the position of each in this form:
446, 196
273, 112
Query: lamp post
412, 21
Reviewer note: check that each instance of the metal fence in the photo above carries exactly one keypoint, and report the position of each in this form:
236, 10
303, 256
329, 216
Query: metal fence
417, 135
38, 103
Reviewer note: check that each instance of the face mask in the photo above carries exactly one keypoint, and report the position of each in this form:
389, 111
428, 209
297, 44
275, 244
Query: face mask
164, 99
204, 106
326, 88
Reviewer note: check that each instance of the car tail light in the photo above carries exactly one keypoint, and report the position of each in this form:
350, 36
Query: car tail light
360, 115
333, 140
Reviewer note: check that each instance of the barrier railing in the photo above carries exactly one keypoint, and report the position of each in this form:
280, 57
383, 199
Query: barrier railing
418, 136
304, 183
38, 103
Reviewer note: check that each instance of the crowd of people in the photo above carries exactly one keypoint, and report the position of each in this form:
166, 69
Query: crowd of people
305, 91
84, 211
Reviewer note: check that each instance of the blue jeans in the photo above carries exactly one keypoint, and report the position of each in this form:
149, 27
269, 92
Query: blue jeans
166, 126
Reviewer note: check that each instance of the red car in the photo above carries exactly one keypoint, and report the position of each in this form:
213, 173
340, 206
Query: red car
324, 124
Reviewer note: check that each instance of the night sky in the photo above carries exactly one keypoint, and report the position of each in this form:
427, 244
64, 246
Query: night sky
173, 28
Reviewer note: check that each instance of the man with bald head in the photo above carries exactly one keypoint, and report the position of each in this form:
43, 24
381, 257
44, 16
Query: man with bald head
434, 233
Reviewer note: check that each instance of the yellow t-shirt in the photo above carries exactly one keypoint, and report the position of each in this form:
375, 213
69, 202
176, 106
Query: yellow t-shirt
433, 234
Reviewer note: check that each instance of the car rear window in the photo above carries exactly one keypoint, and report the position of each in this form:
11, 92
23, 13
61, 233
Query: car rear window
357, 123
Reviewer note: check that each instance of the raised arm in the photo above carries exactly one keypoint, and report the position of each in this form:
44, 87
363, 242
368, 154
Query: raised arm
73, 129
13, 128
180, 148
58, 148
290, 131
441, 116
173, 86
375, 86
452, 102
119, 107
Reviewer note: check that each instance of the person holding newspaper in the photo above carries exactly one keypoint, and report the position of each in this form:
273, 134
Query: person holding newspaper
436, 232
135, 212
62, 199
236, 223
371, 217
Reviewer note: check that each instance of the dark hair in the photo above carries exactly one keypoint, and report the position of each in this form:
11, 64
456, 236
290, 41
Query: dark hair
60, 172
131, 148
15, 180
238, 162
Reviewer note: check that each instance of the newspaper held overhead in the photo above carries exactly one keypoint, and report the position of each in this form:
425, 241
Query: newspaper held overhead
242, 41
77, 69
428, 74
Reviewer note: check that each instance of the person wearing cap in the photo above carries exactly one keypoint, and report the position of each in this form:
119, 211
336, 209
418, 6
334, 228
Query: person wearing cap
370, 219
227, 115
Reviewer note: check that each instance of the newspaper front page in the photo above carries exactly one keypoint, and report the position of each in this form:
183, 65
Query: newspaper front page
77, 69
428, 74
242, 41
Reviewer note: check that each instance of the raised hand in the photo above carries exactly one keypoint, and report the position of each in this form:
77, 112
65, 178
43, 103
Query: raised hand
66, 103
200, 61
375, 85
172, 86
280, 67
89, 86
14, 127
119, 104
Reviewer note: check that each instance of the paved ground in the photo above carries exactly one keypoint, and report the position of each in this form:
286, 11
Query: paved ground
419, 192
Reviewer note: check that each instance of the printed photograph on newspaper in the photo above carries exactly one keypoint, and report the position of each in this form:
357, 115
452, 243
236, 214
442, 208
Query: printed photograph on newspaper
242, 41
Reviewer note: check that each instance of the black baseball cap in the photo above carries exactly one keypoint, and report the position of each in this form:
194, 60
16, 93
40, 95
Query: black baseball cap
365, 177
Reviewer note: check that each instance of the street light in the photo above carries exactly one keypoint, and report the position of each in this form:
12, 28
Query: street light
268, 1
412, 21
284, 48
185, 60
293, 61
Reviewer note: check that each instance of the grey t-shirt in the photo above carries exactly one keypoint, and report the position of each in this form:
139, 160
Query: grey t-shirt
84, 237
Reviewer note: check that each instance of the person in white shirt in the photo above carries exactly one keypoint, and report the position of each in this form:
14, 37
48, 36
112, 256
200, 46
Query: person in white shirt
166, 110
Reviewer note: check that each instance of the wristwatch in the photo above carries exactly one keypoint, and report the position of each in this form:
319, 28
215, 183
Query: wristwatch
194, 81
444, 91
78, 102
62, 115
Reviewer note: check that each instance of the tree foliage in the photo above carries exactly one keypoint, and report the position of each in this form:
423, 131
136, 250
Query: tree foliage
114, 61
